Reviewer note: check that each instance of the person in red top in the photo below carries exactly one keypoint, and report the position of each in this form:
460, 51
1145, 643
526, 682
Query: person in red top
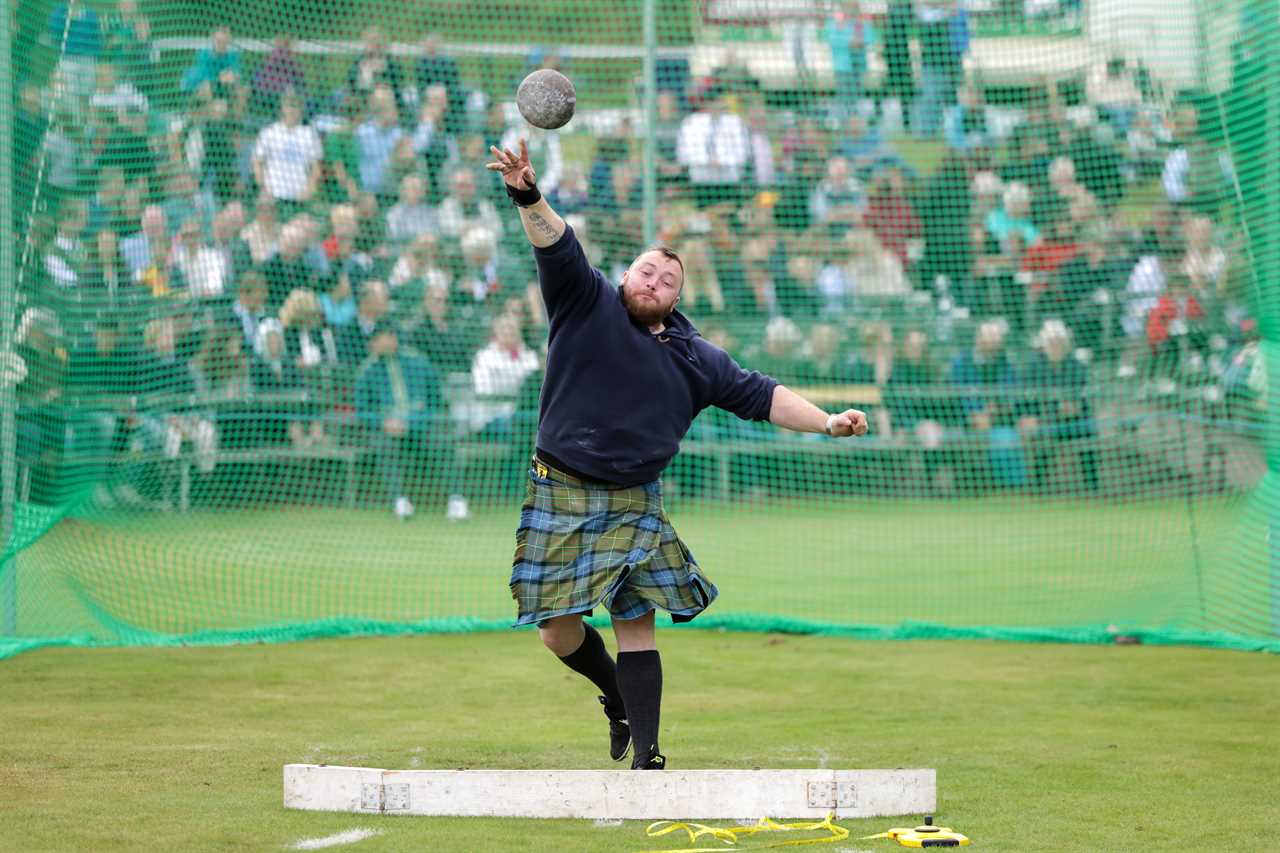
1176, 316
892, 217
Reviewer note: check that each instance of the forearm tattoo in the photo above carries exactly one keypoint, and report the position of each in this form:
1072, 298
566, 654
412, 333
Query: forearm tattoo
540, 224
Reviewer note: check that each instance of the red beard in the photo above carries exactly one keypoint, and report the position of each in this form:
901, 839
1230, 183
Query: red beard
648, 312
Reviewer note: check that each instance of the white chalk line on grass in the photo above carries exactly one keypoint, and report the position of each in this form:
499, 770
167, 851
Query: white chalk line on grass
351, 836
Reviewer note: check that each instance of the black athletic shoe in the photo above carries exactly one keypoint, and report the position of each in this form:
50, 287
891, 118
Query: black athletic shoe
653, 760
619, 733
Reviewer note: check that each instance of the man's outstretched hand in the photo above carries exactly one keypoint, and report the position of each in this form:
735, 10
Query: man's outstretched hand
515, 168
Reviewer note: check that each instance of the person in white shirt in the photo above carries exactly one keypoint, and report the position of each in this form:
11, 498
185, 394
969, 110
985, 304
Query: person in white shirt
203, 268
497, 371
715, 146
288, 155
463, 209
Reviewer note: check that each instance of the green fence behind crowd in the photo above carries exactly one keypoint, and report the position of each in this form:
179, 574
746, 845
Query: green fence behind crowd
271, 340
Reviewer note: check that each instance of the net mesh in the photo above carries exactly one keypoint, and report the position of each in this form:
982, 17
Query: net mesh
1034, 240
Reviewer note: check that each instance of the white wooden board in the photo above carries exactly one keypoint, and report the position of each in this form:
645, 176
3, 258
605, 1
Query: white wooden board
612, 794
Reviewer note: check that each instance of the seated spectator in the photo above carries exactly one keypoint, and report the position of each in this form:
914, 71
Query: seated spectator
185, 199
714, 146
462, 210
215, 73
781, 354
1147, 282
397, 398
66, 163
980, 374
106, 280
1013, 217
1204, 264
288, 269
497, 372
437, 70
202, 267
376, 139
41, 419
411, 216
872, 269
417, 265
149, 254
66, 257
906, 409
309, 344
822, 361
339, 302
340, 183
1091, 280
1063, 413
111, 95
122, 142
434, 140
262, 235
871, 362
288, 158
478, 285
168, 430
220, 369
436, 334
227, 242
838, 202
128, 45
249, 309
273, 373
106, 205
341, 247
373, 303
893, 218
834, 282
374, 69
1175, 324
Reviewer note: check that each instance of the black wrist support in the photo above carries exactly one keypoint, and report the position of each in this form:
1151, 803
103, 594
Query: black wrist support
524, 198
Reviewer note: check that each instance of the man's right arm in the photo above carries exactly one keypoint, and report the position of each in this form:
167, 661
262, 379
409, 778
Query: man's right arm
542, 225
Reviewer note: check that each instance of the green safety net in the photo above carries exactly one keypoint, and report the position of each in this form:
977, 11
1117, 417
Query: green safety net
271, 340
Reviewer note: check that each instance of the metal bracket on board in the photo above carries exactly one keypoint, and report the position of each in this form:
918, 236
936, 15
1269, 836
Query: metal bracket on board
831, 795
384, 798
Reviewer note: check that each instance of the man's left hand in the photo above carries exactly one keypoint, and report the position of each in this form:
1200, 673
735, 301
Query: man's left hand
847, 423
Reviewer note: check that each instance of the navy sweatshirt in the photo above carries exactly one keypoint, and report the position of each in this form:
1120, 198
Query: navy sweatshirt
617, 399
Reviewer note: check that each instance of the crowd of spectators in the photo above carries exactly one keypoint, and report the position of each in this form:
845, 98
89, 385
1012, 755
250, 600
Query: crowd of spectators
242, 233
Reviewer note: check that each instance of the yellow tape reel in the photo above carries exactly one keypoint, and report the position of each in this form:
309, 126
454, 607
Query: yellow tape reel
926, 835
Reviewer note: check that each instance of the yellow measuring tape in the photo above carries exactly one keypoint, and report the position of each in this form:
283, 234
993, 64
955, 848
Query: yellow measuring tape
927, 835
734, 834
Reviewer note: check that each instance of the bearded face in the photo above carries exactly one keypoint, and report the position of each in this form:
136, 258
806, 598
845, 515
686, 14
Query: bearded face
651, 287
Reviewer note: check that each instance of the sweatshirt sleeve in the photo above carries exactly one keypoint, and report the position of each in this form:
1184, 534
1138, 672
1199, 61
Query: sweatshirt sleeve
746, 393
567, 279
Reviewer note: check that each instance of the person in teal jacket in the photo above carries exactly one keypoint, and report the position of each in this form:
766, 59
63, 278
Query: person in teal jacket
849, 36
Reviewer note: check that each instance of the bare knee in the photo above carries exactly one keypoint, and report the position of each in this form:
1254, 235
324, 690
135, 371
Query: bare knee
635, 635
562, 634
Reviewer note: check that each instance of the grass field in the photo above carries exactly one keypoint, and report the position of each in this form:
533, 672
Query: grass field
1037, 747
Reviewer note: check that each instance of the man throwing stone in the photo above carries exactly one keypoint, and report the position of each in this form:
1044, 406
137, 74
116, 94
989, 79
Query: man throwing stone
626, 375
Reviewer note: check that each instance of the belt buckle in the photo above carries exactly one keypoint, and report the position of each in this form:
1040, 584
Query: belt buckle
540, 469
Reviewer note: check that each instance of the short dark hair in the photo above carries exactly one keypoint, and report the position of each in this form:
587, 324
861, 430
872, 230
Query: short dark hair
667, 252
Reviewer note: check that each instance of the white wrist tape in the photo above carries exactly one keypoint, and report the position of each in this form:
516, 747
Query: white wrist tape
831, 422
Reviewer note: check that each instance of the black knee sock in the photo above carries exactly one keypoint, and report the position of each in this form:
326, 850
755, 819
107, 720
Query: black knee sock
592, 660
640, 682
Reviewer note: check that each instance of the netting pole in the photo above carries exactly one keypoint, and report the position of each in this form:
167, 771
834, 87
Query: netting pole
1270, 239
650, 121
8, 320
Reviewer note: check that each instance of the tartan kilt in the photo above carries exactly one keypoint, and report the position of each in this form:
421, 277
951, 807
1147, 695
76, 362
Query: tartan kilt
581, 545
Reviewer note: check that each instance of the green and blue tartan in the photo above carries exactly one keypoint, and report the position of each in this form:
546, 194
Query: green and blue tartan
581, 545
